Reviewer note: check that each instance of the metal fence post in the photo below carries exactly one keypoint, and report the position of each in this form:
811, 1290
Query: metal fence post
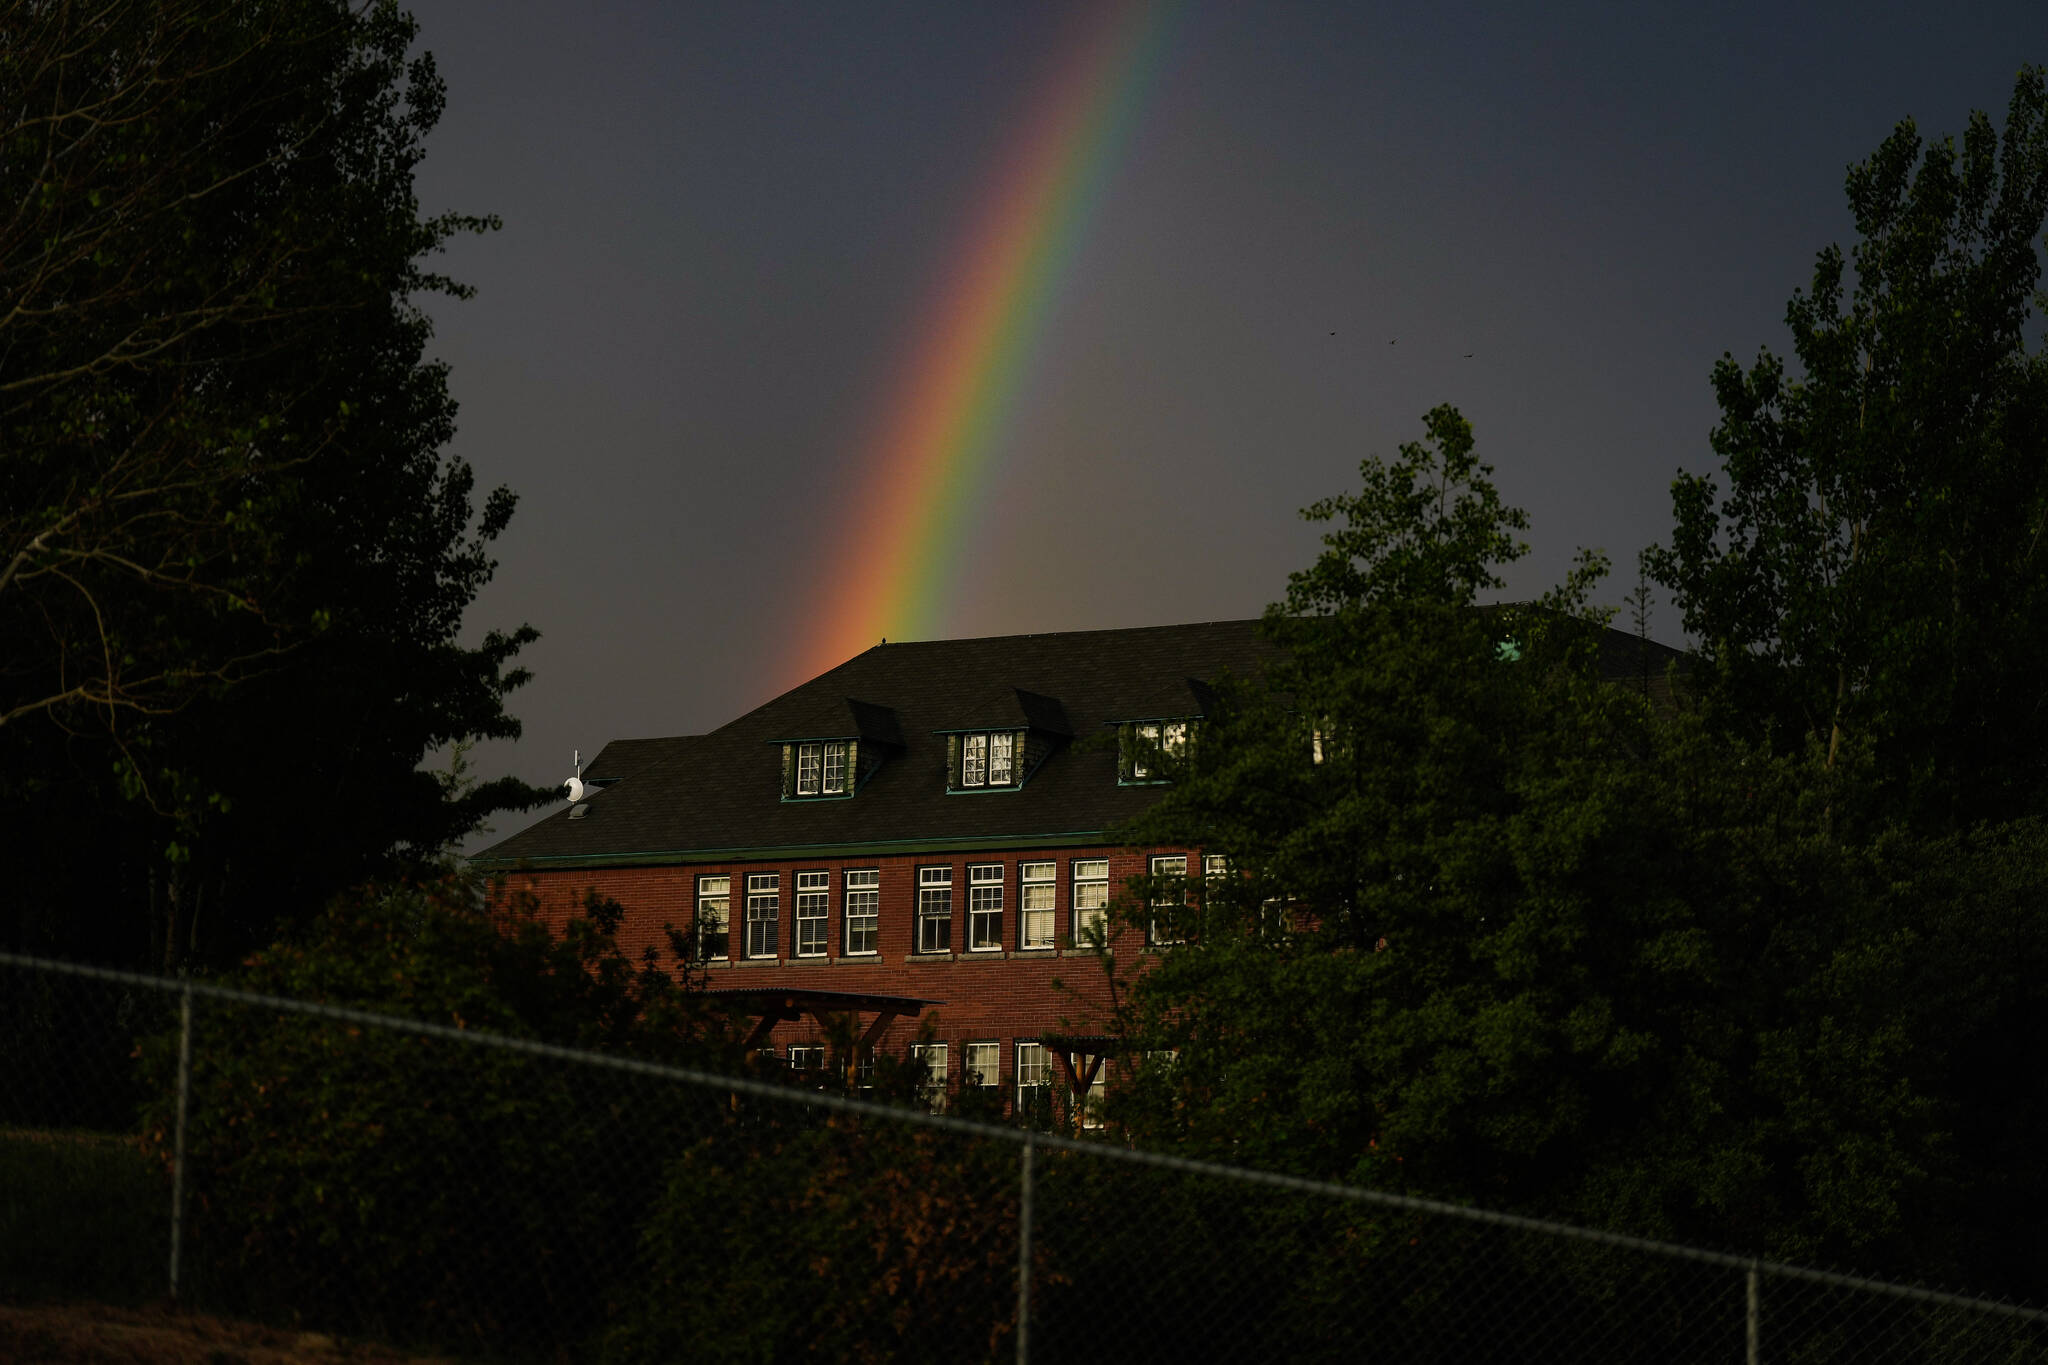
178, 1137
1750, 1334
1024, 1260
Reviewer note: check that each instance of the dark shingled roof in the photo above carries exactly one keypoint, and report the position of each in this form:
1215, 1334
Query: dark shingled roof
692, 798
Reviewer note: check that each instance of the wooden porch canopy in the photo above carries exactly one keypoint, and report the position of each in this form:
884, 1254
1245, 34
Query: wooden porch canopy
1097, 1047
776, 1005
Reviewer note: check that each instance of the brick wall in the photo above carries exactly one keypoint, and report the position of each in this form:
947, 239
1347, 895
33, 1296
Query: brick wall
1004, 995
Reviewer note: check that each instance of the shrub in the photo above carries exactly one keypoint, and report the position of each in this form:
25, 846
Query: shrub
378, 1180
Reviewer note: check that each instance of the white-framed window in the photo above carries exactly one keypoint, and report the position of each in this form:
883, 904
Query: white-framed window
934, 909
1168, 907
983, 1065
933, 1055
813, 907
1034, 1072
1037, 912
807, 1059
1156, 747
984, 907
1091, 899
863, 911
986, 758
712, 936
1089, 1100
821, 767
1215, 867
1173, 739
764, 912
1148, 741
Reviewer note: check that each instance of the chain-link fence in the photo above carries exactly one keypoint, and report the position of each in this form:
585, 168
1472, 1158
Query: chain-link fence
430, 1185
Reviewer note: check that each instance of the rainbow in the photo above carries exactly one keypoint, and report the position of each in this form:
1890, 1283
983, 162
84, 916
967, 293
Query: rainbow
927, 467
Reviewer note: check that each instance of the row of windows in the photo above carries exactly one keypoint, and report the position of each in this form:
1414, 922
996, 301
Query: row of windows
981, 760
981, 1068
987, 894
860, 904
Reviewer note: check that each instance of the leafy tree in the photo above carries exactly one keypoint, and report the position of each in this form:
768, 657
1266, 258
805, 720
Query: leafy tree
233, 561
1380, 800
1491, 929
1875, 572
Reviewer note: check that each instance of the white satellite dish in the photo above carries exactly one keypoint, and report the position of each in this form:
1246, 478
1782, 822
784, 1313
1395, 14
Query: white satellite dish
576, 787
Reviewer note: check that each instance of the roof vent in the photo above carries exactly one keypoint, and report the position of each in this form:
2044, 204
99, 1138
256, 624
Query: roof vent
579, 811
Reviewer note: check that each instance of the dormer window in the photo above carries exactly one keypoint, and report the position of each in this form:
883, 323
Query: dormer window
821, 768
1153, 748
830, 751
989, 760
979, 760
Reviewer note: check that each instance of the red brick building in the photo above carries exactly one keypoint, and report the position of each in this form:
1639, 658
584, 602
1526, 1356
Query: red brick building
919, 836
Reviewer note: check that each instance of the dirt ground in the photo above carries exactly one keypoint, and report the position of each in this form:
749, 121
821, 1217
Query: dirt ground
91, 1334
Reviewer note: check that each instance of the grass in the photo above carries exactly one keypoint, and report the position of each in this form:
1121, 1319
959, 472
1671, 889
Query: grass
82, 1215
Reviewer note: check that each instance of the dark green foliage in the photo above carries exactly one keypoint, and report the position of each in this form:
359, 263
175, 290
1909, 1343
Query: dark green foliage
1492, 930
233, 561
1875, 572
379, 1181
783, 1237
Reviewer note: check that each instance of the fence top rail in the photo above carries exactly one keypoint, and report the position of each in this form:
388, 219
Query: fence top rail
768, 1090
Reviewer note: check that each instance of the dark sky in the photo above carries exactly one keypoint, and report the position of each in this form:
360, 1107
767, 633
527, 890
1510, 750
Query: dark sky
723, 222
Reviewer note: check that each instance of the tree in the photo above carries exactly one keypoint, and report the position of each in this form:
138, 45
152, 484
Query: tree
1491, 929
1875, 574
1379, 801
233, 561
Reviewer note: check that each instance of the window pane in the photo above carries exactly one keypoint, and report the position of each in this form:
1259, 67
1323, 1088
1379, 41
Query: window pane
863, 905
1166, 906
835, 768
1090, 1098
1148, 740
813, 899
934, 909
764, 913
1037, 911
714, 916
1091, 898
933, 1055
983, 1065
807, 760
1001, 758
985, 907
1031, 1071
974, 761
